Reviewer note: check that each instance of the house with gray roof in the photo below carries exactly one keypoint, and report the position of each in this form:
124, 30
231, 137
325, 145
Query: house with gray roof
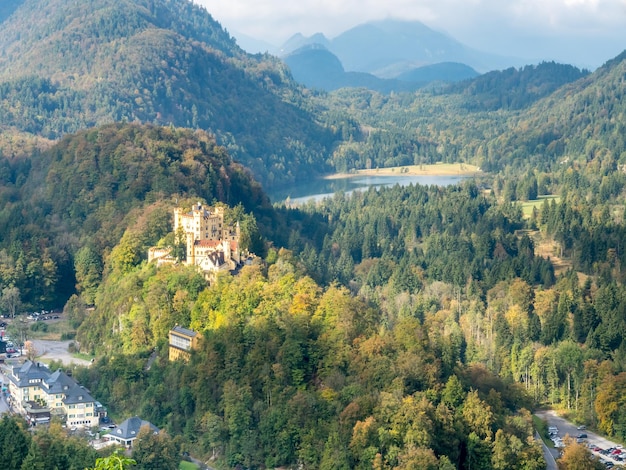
32, 382
128, 431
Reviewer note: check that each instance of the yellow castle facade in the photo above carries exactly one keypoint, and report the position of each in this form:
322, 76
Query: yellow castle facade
210, 244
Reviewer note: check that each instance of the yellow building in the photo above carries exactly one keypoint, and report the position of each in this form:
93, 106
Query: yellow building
210, 244
182, 342
32, 385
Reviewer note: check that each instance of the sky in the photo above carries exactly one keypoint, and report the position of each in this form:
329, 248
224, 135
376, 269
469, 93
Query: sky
585, 33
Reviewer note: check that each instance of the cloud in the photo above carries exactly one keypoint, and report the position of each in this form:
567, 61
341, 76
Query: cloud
274, 18
492, 25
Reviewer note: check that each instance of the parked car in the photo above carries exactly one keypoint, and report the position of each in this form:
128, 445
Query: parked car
581, 436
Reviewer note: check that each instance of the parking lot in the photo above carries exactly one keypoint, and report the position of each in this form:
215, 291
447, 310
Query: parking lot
45, 349
598, 445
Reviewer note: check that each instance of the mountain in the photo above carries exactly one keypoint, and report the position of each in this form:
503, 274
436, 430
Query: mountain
529, 119
516, 88
576, 125
441, 72
69, 65
298, 41
316, 67
390, 47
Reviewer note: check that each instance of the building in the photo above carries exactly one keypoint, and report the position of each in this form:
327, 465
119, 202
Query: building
210, 244
128, 431
182, 342
37, 393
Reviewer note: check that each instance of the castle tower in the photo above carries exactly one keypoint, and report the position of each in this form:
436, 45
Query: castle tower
191, 252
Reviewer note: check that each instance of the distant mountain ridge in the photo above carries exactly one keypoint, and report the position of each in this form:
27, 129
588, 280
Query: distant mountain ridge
443, 71
316, 67
389, 47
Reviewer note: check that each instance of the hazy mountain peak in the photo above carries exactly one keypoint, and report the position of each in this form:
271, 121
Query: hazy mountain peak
391, 46
298, 40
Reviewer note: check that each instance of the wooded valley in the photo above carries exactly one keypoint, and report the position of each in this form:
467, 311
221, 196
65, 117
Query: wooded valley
393, 328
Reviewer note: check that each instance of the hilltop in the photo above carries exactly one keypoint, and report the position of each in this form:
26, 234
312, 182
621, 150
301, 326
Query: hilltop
80, 195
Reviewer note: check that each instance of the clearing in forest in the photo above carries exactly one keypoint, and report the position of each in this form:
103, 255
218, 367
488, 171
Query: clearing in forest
550, 249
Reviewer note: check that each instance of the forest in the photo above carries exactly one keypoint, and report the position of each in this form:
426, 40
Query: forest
153, 61
50, 448
393, 328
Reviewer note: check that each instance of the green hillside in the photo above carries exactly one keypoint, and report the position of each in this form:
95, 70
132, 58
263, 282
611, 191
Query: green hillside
581, 121
395, 328
515, 121
67, 66
85, 191
516, 88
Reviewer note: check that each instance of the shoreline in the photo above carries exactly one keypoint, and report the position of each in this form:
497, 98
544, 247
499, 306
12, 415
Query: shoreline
438, 169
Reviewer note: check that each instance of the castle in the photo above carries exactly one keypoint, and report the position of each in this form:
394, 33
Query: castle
210, 245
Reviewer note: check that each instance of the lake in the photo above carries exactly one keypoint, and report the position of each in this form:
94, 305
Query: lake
322, 188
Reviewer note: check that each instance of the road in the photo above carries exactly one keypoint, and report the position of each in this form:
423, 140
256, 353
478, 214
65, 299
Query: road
567, 428
548, 454
58, 351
